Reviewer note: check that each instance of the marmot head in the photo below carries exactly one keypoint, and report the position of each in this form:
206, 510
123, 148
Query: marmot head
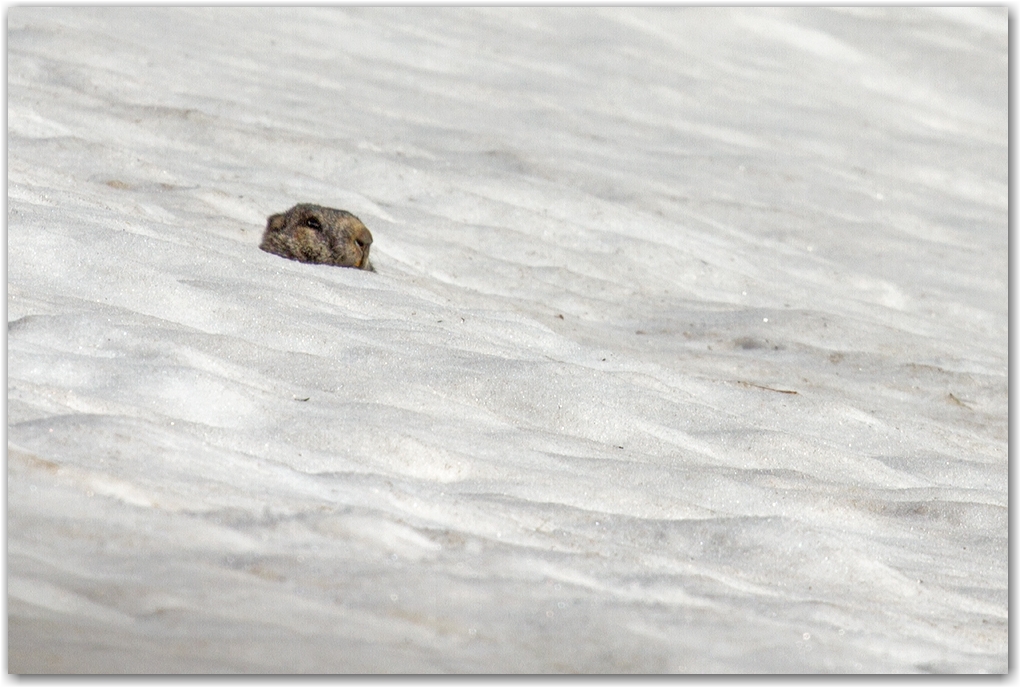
312, 233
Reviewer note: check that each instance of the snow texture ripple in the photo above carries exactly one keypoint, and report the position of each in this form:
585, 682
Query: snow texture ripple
686, 352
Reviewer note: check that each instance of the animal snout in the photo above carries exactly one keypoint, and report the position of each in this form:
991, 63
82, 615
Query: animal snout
363, 239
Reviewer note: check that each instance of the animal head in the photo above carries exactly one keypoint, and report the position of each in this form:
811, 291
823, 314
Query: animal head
312, 233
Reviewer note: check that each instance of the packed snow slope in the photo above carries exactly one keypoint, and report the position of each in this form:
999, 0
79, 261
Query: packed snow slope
686, 351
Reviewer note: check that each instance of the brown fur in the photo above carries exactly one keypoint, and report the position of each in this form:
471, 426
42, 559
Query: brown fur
312, 233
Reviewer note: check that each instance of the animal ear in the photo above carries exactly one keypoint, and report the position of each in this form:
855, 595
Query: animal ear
276, 223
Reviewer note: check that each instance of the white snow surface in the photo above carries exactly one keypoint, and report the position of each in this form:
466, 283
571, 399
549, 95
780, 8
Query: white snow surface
686, 352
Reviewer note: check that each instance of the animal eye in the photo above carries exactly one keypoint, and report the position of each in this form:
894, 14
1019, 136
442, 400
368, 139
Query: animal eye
314, 223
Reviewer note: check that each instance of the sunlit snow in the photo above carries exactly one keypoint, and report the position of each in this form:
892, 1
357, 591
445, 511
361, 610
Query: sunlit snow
686, 351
